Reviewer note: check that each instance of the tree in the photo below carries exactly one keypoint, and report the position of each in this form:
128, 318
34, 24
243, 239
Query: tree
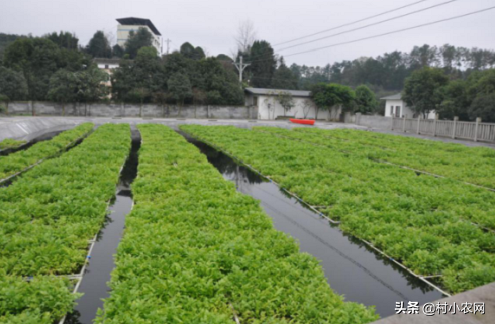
223, 57
481, 90
455, 101
99, 46
286, 100
307, 105
91, 84
190, 52
6, 40
64, 39
82, 86
284, 78
212, 82
179, 88
365, 100
145, 72
198, 54
263, 64
187, 50
63, 87
38, 59
423, 90
136, 40
245, 36
139, 95
327, 96
483, 107
117, 51
12, 84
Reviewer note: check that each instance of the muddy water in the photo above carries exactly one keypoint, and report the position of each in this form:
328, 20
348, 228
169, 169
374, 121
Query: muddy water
97, 273
352, 269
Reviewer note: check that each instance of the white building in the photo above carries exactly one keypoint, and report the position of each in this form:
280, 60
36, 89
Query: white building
133, 24
107, 64
396, 107
270, 108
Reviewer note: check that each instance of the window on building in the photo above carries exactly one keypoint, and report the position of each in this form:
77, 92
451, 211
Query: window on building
106, 66
391, 110
397, 111
255, 101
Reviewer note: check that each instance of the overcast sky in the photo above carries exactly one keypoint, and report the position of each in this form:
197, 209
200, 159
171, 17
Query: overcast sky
212, 24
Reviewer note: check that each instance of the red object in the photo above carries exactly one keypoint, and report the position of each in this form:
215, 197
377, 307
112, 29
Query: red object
303, 121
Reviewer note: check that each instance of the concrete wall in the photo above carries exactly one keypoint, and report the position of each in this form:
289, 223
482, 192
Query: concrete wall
404, 110
374, 121
38, 108
270, 109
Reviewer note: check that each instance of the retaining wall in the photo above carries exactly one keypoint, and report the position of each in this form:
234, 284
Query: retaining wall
38, 108
374, 121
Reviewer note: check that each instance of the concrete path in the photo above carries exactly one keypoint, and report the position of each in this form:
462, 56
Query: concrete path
26, 128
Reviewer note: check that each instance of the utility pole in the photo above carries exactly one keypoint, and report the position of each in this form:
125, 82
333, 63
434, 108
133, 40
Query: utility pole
240, 66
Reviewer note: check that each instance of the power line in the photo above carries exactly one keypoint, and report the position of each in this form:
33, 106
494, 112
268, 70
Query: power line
369, 25
392, 32
351, 23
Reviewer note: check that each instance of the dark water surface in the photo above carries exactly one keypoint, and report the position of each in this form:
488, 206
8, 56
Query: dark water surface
97, 273
352, 269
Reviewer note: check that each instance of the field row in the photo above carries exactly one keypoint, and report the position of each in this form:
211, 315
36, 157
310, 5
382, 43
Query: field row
422, 221
18, 161
9, 143
474, 165
47, 217
197, 251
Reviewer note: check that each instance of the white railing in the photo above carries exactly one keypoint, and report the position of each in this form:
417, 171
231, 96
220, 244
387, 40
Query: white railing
475, 131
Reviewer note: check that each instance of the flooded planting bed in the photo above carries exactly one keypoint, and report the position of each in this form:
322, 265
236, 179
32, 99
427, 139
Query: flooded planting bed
352, 269
97, 273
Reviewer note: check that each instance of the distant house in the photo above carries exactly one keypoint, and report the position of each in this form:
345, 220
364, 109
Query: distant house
396, 107
129, 24
107, 64
270, 108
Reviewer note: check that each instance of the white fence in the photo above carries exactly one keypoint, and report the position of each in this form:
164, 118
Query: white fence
475, 131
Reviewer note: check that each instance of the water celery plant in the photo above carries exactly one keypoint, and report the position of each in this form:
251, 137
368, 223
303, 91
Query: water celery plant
19, 161
197, 251
9, 143
426, 223
47, 218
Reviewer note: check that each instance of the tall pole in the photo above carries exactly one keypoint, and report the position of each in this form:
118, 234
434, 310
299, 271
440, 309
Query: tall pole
241, 66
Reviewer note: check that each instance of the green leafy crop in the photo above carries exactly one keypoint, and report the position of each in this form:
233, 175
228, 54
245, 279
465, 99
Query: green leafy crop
47, 218
10, 143
197, 251
422, 221
18, 161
